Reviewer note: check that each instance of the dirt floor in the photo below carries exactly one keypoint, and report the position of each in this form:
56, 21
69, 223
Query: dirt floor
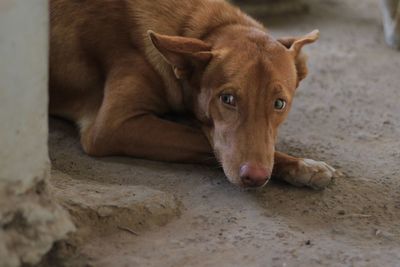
346, 113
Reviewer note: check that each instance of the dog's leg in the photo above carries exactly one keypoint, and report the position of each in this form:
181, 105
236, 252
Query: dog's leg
391, 21
127, 122
303, 172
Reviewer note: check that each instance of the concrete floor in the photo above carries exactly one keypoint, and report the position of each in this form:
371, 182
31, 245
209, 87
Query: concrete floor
346, 113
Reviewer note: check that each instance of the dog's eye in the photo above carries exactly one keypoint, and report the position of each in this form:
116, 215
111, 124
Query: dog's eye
280, 104
228, 99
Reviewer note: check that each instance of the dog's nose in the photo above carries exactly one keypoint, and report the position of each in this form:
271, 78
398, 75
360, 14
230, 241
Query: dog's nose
254, 175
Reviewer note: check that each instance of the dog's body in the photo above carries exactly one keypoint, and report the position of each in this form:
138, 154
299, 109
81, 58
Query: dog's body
116, 79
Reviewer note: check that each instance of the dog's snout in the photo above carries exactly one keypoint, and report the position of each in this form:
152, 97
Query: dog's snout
254, 175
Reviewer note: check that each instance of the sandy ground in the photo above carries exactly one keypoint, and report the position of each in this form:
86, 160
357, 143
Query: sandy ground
346, 113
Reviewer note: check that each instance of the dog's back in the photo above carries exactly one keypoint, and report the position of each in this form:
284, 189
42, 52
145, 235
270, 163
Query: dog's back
87, 35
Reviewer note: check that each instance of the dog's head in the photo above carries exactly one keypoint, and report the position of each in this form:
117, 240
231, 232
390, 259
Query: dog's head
242, 85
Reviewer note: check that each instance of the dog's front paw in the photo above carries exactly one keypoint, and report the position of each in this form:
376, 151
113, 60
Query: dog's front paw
315, 174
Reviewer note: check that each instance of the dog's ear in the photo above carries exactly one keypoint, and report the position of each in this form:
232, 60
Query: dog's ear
294, 45
182, 53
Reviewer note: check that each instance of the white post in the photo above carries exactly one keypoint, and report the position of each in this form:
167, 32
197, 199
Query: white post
29, 220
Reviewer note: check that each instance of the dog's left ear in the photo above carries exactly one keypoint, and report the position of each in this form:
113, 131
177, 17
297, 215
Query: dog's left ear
182, 53
294, 45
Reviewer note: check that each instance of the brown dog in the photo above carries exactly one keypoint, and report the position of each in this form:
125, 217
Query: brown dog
117, 66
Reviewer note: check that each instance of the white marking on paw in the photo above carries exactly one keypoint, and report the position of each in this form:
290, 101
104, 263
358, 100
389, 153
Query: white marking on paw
316, 174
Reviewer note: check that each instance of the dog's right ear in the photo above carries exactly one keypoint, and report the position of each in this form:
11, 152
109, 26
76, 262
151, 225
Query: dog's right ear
182, 53
294, 46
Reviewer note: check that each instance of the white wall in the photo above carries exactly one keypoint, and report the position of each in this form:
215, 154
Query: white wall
29, 220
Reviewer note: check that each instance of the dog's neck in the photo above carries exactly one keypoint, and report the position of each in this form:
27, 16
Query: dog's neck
187, 93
